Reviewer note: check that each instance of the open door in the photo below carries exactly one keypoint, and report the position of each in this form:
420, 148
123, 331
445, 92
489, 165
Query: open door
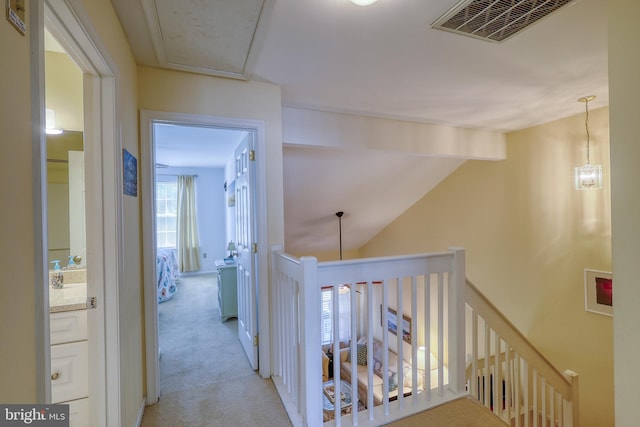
247, 252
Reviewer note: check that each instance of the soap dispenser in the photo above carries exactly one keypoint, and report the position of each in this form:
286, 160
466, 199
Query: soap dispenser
71, 263
56, 278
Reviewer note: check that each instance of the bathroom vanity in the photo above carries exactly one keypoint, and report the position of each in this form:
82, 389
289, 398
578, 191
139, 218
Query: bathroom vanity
69, 345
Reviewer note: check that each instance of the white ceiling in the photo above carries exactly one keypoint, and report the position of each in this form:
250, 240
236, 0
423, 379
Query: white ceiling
194, 146
369, 189
382, 60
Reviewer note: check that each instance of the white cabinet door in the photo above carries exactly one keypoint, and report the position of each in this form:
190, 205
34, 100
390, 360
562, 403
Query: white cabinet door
69, 371
79, 413
68, 326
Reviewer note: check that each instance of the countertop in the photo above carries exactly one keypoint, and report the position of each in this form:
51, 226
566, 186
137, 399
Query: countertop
72, 296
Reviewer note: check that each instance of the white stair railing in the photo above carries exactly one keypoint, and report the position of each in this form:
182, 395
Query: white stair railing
380, 284
509, 375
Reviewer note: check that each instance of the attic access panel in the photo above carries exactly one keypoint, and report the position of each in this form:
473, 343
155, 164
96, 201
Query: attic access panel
217, 37
496, 20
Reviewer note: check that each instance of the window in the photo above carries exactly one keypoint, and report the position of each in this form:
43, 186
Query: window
166, 213
344, 307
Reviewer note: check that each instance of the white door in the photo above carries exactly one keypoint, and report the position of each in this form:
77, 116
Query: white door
245, 238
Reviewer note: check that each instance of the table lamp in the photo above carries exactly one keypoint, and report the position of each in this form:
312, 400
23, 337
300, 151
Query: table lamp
232, 249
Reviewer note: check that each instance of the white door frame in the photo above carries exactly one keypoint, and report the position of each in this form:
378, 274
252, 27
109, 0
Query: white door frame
70, 25
147, 161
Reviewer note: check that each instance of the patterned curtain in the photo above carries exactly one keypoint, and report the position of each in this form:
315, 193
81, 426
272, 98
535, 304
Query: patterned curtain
188, 244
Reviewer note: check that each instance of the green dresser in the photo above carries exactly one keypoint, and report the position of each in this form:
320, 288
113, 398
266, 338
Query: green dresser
227, 290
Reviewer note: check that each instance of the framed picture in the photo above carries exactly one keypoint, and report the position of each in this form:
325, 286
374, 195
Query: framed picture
598, 292
130, 173
392, 324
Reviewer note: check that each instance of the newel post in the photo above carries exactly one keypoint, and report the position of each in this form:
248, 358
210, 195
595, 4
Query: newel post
575, 397
310, 343
457, 380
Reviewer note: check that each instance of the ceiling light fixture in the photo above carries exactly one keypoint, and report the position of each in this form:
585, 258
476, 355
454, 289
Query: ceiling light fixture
588, 176
363, 2
50, 120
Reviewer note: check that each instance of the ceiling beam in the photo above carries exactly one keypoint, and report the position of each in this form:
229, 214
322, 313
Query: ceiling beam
326, 129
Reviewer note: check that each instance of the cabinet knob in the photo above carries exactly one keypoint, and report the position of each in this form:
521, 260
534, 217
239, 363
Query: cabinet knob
55, 376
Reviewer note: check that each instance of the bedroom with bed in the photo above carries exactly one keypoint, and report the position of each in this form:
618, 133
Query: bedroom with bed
188, 244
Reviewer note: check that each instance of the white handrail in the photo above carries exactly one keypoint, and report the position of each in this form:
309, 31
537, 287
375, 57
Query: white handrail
532, 388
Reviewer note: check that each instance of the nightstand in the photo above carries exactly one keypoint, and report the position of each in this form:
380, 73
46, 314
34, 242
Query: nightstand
227, 290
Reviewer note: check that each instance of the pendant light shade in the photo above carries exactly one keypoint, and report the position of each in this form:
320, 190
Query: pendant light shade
588, 176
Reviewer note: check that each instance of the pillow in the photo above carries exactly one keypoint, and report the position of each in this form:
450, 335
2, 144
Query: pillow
325, 367
345, 355
392, 375
362, 354
408, 372
393, 380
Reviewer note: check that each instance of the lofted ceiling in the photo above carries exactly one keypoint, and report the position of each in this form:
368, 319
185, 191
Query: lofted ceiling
384, 60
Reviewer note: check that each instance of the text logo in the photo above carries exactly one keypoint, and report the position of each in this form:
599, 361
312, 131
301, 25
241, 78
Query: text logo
34, 415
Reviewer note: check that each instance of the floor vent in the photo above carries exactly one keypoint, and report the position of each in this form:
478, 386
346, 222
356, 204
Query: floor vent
496, 20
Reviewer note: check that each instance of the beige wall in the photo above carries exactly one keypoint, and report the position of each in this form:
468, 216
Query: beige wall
18, 313
131, 319
63, 90
529, 236
624, 69
17, 250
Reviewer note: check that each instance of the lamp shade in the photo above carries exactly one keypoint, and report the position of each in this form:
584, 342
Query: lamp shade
231, 247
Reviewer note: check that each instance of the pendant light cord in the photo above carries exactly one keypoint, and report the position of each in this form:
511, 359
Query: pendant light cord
586, 125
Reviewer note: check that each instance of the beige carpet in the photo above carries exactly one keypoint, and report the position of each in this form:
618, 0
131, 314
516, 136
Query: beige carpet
459, 413
205, 377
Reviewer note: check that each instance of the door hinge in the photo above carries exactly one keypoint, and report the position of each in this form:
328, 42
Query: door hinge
92, 302
255, 341
252, 155
254, 248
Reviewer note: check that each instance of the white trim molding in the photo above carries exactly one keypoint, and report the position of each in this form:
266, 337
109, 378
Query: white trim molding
69, 23
147, 161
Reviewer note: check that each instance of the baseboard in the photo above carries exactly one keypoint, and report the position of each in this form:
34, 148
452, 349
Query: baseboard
141, 411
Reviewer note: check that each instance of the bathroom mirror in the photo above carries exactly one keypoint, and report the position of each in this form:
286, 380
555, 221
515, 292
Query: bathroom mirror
65, 204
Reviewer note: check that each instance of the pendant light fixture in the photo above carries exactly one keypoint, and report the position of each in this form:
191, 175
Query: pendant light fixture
588, 176
339, 215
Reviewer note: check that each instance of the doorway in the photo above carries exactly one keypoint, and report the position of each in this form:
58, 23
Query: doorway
66, 233
149, 121
195, 225
101, 148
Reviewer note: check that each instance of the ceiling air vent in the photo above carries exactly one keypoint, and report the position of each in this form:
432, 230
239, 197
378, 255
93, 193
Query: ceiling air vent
496, 20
